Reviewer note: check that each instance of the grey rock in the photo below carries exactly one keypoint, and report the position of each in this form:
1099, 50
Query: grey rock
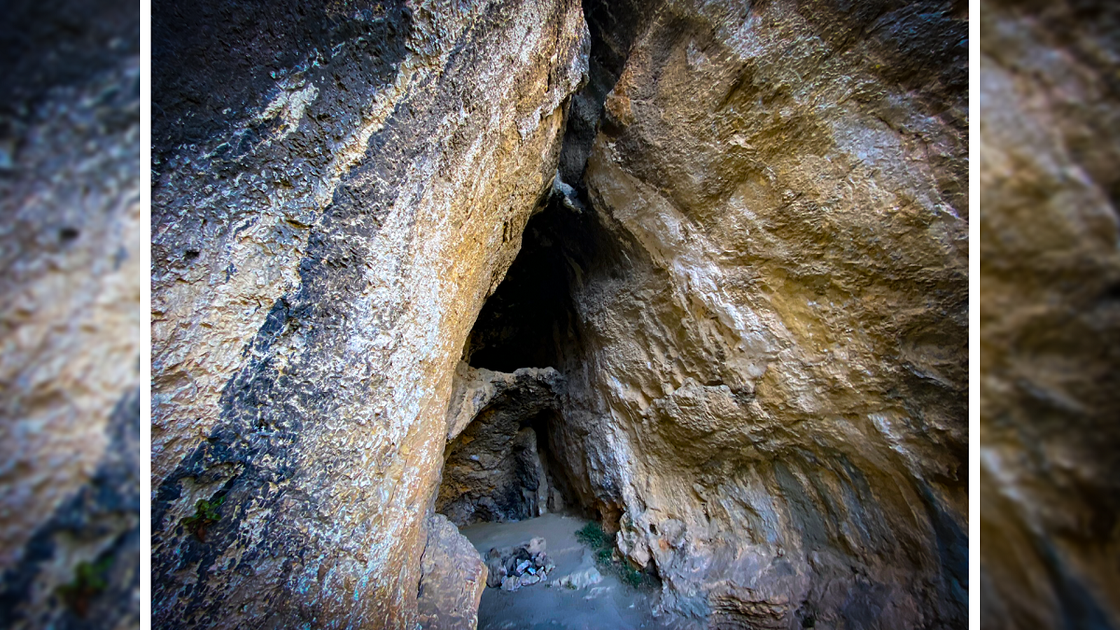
537, 547
452, 578
581, 579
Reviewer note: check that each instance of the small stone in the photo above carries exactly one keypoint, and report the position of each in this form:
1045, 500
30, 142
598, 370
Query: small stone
511, 584
521, 566
529, 580
582, 579
536, 546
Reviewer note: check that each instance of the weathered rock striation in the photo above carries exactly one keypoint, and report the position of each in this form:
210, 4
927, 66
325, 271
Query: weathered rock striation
70, 284
338, 189
766, 382
734, 329
1049, 148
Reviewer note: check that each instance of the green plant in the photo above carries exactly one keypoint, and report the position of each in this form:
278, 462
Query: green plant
205, 515
89, 581
602, 547
593, 536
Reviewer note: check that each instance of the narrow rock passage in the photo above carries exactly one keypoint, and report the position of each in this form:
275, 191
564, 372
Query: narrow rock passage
606, 604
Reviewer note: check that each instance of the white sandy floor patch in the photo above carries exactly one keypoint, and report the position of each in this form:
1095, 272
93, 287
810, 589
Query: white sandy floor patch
607, 603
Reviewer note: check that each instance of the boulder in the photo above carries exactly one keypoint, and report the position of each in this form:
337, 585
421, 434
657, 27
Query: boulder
452, 578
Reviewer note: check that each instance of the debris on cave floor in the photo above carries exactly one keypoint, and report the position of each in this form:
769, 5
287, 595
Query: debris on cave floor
573, 595
511, 568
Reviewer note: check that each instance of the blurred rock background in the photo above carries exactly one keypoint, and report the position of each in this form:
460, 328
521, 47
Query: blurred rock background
1050, 313
70, 281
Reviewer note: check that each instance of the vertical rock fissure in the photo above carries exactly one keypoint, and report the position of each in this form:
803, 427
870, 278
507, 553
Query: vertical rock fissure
530, 321
501, 467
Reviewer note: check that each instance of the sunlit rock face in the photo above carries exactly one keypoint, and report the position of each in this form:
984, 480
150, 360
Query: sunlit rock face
70, 283
1049, 148
766, 377
337, 190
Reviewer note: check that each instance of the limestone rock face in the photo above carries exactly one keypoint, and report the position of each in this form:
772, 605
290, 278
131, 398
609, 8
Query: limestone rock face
337, 191
738, 333
766, 386
70, 283
1049, 147
452, 578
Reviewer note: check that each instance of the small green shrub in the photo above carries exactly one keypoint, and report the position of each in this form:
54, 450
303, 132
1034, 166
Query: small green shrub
205, 515
89, 581
602, 547
593, 536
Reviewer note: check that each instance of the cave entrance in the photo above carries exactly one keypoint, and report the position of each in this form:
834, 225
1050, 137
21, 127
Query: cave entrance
525, 323
502, 467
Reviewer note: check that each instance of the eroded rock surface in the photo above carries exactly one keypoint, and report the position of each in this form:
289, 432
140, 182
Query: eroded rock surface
70, 282
1049, 147
765, 391
452, 577
338, 189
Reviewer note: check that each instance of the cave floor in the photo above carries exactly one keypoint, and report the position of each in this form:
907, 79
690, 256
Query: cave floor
608, 604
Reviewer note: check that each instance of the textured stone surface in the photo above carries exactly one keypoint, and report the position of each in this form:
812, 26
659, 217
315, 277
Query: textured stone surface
452, 577
741, 313
1049, 147
338, 189
766, 383
70, 281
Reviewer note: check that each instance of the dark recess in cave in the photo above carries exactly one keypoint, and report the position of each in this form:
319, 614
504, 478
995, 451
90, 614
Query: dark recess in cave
528, 317
528, 321
561, 497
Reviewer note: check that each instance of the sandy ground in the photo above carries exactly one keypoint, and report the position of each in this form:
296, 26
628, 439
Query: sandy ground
608, 604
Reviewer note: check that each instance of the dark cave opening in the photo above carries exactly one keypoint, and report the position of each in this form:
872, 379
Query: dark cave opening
528, 321
508, 463
505, 466
525, 321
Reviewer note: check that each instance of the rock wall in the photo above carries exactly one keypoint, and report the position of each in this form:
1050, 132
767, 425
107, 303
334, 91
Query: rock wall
451, 578
70, 281
766, 385
754, 224
337, 190
1049, 321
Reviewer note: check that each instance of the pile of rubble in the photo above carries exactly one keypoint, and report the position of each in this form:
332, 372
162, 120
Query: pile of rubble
513, 567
